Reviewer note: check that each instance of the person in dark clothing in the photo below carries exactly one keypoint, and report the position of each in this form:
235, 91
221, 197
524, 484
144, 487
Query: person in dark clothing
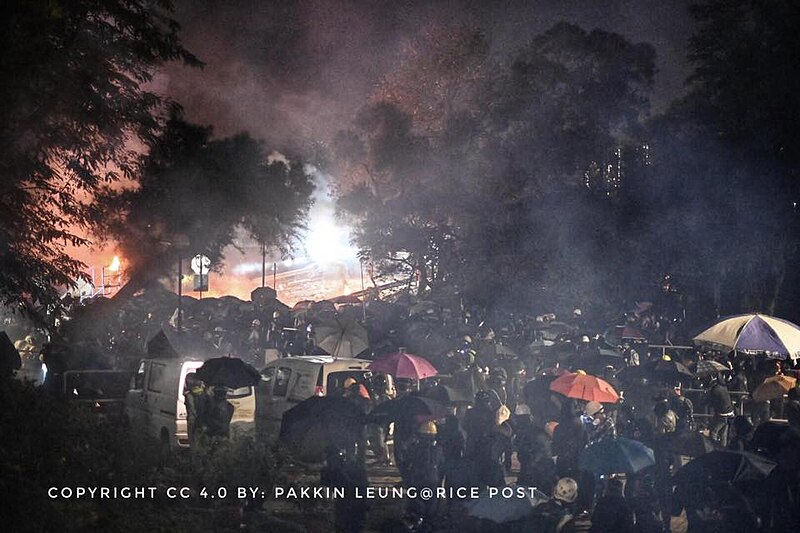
610, 377
645, 507
344, 470
569, 440
538, 397
792, 408
194, 400
742, 434
480, 421
452, 442
612, 512
497, 381
425, 460
719, 399
682, 407
737, 515
600, 425
535, 455
217, 415
382, 391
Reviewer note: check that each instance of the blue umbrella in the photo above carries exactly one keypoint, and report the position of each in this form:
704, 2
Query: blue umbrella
755, 333
612, 456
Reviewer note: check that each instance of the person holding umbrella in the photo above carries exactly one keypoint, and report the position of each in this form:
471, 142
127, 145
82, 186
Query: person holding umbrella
217, 414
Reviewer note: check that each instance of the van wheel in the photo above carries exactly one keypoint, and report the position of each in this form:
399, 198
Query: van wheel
164, 447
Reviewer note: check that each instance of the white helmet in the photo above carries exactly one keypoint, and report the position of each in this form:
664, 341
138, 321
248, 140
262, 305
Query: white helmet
566, 490
577, 312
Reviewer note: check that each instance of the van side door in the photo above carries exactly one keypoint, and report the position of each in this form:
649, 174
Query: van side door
157, 390
136, 397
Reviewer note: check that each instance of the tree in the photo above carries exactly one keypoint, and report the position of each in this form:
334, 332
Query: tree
193, 193
73, 102
492, 199
725, 158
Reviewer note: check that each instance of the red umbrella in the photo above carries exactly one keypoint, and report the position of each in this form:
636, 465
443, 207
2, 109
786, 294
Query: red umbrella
582, 386
403, 365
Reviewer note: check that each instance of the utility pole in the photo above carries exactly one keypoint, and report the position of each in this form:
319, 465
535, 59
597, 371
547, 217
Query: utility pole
264, 264
180, 294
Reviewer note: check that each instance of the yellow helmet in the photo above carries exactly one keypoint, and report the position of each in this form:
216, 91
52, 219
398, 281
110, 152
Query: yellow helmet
428, 428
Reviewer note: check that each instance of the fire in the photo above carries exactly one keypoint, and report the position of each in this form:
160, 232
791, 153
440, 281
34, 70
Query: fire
115, 264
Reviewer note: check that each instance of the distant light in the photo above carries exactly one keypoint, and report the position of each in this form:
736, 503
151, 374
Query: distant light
115, 264
326, 243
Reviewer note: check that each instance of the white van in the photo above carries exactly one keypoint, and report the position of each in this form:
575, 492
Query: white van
288, 381
154, 402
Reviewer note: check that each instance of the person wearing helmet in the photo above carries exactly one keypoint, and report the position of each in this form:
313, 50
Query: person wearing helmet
194, 399
598, 423
425, 459
554, 514
382, 391
682, 407
666, 420
498, 377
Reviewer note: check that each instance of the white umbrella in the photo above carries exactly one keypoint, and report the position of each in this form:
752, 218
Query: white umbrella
755, 333
341, 337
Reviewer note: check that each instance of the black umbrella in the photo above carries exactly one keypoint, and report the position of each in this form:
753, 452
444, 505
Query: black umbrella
9, 356
768, 437
174, 345
311, 426
448, 394
407, 407
231, 372
665, 370
724, 466
691, 443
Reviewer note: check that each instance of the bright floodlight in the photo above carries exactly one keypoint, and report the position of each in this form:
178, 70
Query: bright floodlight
326, 242
115, 264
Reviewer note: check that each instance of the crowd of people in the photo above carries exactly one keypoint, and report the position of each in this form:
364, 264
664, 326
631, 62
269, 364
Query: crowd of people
503, 423
516, 420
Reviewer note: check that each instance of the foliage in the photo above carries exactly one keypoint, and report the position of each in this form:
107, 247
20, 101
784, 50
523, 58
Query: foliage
51, 443
73, 102
193, 193
493, 193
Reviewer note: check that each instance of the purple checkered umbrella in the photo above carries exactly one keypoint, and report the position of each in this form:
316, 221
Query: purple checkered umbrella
755, 333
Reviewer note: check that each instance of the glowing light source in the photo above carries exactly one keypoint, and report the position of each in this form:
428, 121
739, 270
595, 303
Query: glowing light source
326, 242
115, 264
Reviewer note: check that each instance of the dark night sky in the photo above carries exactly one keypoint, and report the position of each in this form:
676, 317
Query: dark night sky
295, 72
